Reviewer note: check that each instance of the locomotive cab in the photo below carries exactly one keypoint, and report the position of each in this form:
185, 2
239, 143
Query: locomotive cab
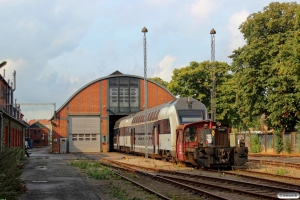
207, 144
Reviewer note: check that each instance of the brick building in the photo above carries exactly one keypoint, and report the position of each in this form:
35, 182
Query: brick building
12, 125
39, 132
84, 123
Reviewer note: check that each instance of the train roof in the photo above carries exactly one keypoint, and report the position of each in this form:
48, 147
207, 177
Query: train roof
179, 103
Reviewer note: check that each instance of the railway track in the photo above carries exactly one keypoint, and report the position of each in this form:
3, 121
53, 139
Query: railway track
162, 187
217, 185
274, 163
264, 175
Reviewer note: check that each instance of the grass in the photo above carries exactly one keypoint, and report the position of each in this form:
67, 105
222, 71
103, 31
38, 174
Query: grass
281, 171
100, 173
118, 192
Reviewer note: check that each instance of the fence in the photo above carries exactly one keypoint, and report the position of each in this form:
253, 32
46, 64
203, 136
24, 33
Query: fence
267, 141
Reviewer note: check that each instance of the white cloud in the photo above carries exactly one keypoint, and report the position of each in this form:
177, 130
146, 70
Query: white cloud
236, 36
164, 69
202, 8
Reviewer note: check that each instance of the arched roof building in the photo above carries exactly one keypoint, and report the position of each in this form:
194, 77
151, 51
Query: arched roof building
84, 123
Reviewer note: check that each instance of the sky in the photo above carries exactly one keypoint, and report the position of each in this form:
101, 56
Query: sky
56, 47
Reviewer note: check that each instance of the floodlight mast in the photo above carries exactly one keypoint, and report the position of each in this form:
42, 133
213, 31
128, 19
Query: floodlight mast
213, 90
144, 30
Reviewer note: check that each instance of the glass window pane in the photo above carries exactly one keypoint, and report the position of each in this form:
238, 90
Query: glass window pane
134, 82
113, 82
124, 81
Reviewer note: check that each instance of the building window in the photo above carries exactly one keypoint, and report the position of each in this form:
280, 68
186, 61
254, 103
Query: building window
34, 132
124, 94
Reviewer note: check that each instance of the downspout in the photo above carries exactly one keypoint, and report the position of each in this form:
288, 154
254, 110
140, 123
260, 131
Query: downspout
7, 97
12, 93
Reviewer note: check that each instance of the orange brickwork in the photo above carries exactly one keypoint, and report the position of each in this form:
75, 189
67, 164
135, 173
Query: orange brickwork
94, 97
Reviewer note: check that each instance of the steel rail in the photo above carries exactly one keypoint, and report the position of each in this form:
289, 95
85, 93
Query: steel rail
263, 173
156, 177
234, 188
222, 179
267, 162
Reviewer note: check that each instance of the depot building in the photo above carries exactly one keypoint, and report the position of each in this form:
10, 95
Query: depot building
85, 122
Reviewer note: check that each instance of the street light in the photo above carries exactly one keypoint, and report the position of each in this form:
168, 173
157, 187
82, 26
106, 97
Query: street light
144, 30
213, 91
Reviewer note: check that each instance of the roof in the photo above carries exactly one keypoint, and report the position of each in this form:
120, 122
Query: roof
37, 125
115, 74
42, 121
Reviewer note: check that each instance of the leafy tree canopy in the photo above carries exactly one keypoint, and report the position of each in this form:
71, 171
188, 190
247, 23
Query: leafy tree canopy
195, 81
267, 68
159, 81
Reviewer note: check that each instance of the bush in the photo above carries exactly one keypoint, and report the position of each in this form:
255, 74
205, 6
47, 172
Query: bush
11, 185
255, 144
287, 146
278, 141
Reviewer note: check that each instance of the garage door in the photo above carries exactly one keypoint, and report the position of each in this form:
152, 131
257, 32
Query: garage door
84, 134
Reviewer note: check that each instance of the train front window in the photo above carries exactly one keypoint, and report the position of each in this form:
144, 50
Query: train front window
189, 119
190, 116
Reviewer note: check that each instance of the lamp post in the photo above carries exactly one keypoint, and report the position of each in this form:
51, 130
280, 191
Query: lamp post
144, 30
213, 91
3, 64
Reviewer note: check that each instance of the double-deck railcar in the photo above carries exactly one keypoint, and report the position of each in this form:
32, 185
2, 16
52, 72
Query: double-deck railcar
180, 131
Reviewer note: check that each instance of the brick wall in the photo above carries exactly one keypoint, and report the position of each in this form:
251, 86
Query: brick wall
36, 135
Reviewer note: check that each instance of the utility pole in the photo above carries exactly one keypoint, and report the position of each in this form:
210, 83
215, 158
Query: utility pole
144, 30
213, 90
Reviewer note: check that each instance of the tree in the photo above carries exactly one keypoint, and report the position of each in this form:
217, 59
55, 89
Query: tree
195, 81
268, 66
159, 81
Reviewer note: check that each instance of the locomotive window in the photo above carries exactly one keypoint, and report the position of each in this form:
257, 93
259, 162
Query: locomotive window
190, 134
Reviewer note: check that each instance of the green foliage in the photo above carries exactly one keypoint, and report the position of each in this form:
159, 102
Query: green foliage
267, 68
195, 81
10, 171
100, 173
278, 141
82, 164
159, 81
281, 171
118, 192
287, 146
255, 144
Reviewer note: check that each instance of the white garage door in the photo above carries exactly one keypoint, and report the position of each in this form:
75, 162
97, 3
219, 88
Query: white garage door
84, 134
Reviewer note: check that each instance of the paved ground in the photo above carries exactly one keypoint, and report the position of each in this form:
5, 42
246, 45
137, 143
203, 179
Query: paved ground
48, 177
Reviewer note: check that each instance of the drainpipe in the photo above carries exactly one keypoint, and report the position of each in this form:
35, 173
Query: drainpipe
12, 92
7, 97
16, 109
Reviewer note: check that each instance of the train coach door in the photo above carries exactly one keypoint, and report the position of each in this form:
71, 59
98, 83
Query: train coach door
132, 139
118, 139
179, 145
156, 140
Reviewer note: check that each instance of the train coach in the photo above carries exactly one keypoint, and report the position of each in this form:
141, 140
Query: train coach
179, 131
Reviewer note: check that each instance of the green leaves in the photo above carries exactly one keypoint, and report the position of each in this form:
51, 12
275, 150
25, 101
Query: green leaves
269, 65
